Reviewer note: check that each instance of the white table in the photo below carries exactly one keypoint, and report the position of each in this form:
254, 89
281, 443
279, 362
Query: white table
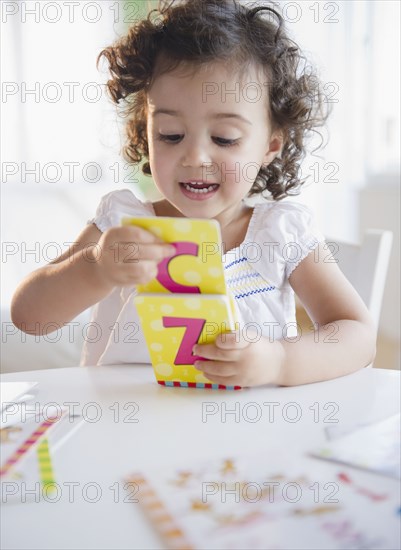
173, 424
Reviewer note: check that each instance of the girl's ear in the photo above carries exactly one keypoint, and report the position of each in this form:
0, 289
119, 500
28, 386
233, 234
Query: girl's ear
275, 146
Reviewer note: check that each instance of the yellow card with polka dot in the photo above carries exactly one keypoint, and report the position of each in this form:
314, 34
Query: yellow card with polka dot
172, 325
196, 267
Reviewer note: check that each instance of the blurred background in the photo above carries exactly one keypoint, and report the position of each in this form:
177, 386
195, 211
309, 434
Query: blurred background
61, 141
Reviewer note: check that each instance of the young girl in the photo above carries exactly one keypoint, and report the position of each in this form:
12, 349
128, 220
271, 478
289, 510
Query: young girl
219, 102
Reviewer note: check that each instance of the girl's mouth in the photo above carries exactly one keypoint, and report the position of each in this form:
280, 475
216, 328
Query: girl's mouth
198, 190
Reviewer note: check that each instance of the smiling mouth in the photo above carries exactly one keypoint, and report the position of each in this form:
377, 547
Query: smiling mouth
200, 188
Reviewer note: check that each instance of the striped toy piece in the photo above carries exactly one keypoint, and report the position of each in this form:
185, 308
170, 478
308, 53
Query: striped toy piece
27, 445
158, 514
200, 385
45, 466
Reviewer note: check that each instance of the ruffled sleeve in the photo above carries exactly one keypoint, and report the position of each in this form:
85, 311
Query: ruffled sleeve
284, 234
118, 204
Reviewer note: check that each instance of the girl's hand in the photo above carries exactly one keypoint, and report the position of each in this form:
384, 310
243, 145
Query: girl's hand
126, 256
233, 360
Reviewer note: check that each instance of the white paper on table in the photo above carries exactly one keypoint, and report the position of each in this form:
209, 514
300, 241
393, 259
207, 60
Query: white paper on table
10, 392
375, 447
267, 502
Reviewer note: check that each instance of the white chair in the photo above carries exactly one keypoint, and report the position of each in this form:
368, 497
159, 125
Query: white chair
366, 265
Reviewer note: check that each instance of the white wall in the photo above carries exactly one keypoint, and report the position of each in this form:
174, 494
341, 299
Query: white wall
380, 208
359, 54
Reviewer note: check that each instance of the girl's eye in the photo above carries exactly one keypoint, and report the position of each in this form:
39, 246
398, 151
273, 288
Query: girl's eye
170, 138
176, 138
225, 142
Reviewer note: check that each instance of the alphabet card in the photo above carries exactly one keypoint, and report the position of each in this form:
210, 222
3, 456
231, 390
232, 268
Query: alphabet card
268, 501
173, 325
196, 267
187, 302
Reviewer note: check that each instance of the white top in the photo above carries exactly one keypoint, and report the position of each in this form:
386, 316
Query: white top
280, 235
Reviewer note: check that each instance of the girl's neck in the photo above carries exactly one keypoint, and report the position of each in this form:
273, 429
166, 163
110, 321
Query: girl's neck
234, 232
164, 208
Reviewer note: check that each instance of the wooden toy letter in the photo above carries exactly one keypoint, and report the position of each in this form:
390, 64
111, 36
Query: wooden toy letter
191, 336
163, 274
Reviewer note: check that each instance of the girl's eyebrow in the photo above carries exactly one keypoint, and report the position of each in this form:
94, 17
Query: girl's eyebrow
213, 115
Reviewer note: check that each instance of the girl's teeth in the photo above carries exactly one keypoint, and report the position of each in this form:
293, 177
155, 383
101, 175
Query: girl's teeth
203, 190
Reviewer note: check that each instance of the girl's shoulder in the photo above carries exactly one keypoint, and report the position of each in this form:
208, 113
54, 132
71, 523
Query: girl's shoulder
118, 204
283, 233
280, 216
282, 219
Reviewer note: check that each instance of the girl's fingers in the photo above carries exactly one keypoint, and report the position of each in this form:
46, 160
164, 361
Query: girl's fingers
133, 252
145, 242
231, 341
130, 244
227, 347
210, 351
215, 368
142, 272
134, 234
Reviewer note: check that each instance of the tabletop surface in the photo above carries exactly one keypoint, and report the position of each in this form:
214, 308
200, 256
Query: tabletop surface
129, 422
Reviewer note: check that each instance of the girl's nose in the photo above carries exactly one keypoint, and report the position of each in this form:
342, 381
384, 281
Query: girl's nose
195, 154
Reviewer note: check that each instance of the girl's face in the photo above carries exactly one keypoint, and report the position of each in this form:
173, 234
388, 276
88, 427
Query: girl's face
208, 135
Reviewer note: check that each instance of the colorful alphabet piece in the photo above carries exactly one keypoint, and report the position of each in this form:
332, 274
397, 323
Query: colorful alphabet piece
31, 436
33, 430
267, 502
196, 267
187, 303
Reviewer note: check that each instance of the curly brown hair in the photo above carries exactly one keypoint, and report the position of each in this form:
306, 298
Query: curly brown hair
196, 32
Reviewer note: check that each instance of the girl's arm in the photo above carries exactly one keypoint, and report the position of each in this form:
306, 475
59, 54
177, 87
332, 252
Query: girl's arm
344, 339
54, 294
